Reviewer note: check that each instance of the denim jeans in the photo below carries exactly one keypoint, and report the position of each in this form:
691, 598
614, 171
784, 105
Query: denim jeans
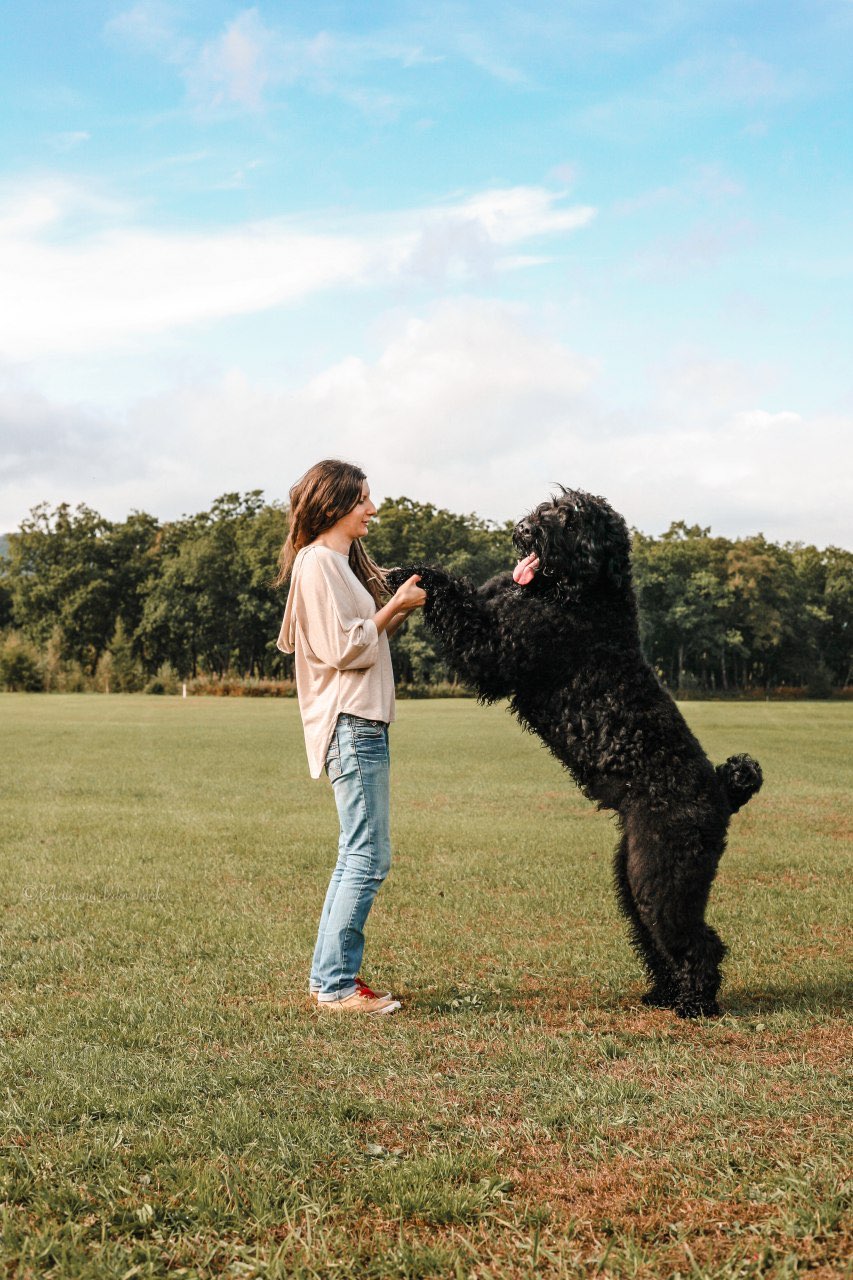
357, 763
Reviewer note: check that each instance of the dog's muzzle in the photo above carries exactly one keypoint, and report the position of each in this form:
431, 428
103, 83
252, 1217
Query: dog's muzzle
524, 541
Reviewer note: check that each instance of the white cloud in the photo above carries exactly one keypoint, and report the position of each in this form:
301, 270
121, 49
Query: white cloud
90, 289
480, 53
702, 185
695, 389
566, 174
749, 471
242, 67
705, 245
516, 213
39, 438
150, 26
462, 384
69, 139
470, 237
48, 205
467, 406
733, 75
237, 66
110, 287
723, 80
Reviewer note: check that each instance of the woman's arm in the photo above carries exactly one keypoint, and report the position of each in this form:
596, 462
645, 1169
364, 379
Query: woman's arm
338, 635
397, 622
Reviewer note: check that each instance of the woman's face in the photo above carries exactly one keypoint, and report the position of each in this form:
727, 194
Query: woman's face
356, 522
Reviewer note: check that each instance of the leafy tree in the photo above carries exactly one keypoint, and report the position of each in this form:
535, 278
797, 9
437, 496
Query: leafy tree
700, 618
407, 531
825, 580
6, 609
838, 602
59, 578
259, 541
685, 604
125, 672
7, 614
764, 584
210, 606
130, 598
417, 531
132, 557
78, 572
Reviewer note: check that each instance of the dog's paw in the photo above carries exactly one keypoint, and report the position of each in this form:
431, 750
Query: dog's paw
430, 576
697, 1009
397, 576
658, 998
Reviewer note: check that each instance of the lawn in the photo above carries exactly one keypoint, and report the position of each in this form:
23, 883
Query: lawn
173, 1105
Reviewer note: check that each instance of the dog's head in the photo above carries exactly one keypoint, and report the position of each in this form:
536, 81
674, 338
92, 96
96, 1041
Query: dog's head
572, 542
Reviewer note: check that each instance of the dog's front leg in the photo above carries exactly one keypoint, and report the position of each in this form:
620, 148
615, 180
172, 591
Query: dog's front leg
464, 621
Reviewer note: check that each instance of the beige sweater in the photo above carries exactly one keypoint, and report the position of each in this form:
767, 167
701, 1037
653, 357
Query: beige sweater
342, 662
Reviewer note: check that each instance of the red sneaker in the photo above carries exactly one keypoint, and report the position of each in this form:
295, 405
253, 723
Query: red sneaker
362, 989
358, 1003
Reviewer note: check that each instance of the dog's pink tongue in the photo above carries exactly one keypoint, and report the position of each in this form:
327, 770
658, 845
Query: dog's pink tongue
525, 570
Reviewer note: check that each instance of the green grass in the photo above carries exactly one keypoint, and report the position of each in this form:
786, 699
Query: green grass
172, 1105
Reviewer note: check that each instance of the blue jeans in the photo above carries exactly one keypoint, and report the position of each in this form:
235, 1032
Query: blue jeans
357, 763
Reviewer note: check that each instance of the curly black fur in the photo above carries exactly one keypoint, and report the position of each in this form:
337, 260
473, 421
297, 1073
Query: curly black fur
565, 649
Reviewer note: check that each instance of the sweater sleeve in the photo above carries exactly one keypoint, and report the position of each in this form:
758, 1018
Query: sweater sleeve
329, 617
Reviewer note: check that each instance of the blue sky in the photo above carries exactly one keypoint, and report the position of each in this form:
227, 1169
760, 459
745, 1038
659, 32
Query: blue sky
478, 248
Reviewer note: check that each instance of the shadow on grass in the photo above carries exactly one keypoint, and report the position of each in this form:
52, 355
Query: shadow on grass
831, 996
528, 998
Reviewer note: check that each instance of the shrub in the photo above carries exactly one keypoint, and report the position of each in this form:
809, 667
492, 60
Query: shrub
73, 679
234, 686
125, 674
442, 689
165, 681
20, 665
820, 682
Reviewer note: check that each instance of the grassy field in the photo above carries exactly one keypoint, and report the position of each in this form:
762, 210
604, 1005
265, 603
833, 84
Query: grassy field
173, 1106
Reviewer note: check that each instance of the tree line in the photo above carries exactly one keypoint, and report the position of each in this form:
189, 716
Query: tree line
87, 602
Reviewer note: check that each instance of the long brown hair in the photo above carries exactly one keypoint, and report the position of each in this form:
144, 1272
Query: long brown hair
328, 491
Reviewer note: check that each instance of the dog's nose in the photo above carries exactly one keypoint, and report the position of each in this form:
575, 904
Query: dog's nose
524, 528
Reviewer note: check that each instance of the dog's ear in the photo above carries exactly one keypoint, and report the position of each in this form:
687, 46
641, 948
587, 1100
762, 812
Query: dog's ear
617, 563
602, 547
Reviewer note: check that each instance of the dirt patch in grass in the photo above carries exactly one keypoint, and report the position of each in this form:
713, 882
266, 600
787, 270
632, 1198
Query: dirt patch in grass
640, 1199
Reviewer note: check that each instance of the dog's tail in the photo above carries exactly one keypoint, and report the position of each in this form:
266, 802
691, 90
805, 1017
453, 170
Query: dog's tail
740, 777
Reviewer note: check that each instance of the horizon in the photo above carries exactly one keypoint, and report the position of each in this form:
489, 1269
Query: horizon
706, 530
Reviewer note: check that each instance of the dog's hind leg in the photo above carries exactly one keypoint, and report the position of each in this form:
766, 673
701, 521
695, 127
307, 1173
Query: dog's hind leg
669, 883
699, 974
662, 991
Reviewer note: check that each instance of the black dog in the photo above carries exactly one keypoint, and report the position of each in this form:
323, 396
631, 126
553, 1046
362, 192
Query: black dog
560, 638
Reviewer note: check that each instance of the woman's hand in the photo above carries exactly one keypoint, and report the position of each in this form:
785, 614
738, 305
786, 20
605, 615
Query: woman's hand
409, 596
406, 598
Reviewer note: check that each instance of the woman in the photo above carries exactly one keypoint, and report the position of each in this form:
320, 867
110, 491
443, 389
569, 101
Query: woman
338, 627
